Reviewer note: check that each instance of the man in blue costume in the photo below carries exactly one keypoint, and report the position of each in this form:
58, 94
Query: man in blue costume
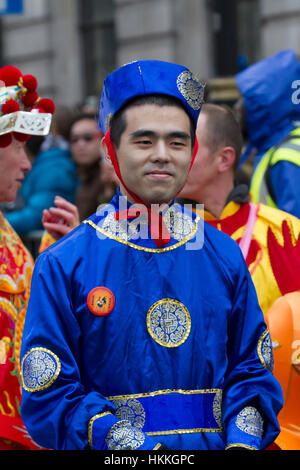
270, 94
143, 328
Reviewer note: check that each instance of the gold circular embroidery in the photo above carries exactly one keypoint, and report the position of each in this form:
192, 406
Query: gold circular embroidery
130, 410
250, 421
123, 229
265, 351
124, 436
39, 369
179, 224
190, 87
217, 407
169, 322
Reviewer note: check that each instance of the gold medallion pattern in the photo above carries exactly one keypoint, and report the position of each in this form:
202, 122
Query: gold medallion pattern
130, 410
250, 421
191, 88
124, 436
169, 322
265, 350
40, 368
217, 407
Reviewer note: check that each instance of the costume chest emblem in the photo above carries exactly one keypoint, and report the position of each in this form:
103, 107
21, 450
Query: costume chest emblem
169, 322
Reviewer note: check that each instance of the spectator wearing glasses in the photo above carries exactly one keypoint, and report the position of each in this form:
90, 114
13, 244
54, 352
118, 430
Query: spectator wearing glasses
85, 148
98, 181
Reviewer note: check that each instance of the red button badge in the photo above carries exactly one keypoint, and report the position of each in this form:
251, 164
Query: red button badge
100, 301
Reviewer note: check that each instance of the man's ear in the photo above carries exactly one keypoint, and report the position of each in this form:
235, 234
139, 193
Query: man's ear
105, 151
226, 159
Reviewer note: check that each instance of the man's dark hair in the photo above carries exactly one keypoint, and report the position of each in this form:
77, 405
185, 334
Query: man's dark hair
118, 121
222, 130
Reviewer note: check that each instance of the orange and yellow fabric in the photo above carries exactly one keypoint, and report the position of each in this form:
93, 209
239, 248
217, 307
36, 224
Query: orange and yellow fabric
273, 248
283, 320
273, 258
46, 241
16, 266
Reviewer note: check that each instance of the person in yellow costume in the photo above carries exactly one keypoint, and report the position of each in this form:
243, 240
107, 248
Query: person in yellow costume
269, 239
22, 113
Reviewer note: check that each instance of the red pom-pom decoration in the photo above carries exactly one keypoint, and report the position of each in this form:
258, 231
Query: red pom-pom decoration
21, 137
10, 75
30, 82
10, 106
5, 140
46, 104
30, 98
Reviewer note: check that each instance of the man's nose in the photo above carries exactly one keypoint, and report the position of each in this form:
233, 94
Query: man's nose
161, 152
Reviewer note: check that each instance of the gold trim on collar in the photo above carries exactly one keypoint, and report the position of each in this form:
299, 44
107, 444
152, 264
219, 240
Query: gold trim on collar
142, 248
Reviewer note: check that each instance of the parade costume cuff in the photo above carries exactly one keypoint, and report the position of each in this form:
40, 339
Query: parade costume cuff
106, 432
245, 430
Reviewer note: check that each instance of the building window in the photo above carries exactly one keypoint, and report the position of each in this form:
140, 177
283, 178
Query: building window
98, 42
236, 28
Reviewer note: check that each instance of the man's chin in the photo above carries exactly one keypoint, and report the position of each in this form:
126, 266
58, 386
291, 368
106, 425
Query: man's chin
158, 199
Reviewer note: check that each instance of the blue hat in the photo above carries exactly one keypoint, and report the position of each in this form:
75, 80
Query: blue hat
147, 77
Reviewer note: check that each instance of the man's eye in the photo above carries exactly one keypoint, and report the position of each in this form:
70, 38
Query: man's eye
177, 143
144, 142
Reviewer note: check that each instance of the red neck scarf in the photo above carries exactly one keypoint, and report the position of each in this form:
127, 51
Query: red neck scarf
158, 229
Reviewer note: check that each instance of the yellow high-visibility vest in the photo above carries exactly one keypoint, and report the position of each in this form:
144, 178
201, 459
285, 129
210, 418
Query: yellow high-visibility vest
288, 150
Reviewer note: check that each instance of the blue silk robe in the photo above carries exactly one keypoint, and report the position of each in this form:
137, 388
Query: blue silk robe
173, 350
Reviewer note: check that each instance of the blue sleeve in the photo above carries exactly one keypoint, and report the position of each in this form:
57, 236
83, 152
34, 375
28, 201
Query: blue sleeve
252, 395
52, 176
30, 217
57, 408
285, 178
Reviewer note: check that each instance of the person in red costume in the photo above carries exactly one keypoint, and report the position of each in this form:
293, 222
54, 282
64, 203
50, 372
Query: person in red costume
22, 113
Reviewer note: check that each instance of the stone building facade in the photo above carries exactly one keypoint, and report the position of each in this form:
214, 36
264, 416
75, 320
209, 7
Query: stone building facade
72, 44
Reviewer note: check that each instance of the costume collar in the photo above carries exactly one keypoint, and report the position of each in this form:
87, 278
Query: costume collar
181, 224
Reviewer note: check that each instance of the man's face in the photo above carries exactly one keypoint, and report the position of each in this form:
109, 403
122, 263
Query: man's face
204, 169
85, 142
155, 152
14, 164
